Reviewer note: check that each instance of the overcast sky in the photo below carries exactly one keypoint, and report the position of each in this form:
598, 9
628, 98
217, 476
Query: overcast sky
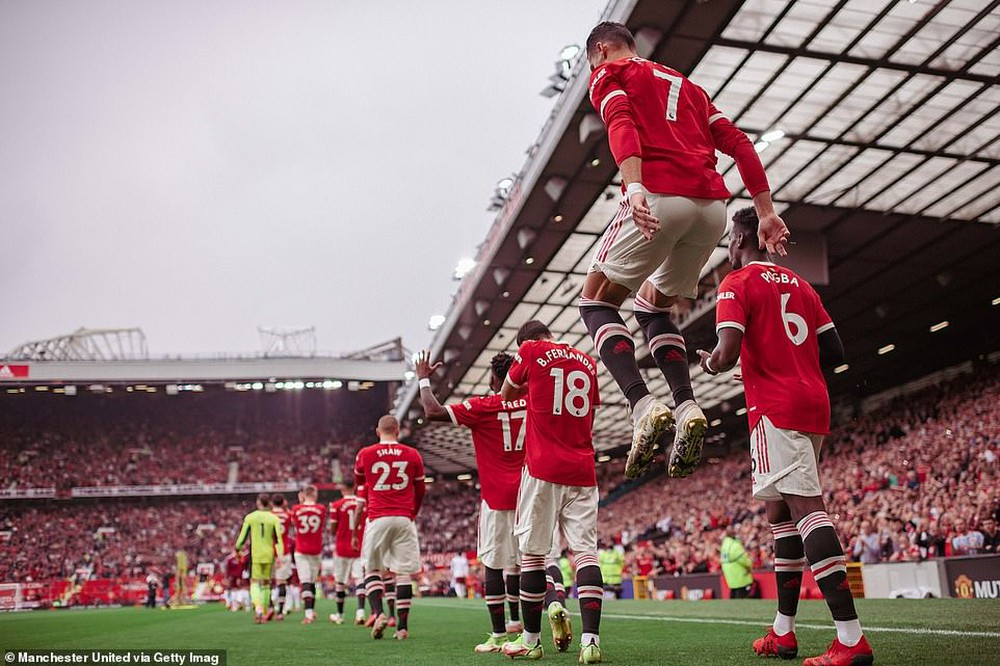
198, 169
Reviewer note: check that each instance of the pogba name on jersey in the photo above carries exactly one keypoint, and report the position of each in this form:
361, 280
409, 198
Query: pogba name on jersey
558, 353
779, 278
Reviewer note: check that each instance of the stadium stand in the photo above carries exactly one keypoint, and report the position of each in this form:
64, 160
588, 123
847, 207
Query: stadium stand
906, 476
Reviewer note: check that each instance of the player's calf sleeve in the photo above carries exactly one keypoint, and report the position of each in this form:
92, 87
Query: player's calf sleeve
340, 591
265, 596
309, 595
390, 593
495, 598
789, 562
404, 593
360, 592
590, 590
373, 589
555, 573
829, 567
666, 345
255, 596
615, 346
512, 576
282, 592
532, 591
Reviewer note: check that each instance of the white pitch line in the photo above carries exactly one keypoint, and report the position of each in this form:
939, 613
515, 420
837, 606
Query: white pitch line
798, 625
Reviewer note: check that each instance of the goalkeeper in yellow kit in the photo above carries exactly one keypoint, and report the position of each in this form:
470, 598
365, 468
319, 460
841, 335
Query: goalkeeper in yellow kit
264, 529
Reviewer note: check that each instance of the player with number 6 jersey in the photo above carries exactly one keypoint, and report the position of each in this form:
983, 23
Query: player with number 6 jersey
307, 518
390, 479
774, 322
558, 484
498, 433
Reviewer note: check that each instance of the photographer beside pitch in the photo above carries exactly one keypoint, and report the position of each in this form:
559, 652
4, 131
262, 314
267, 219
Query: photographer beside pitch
774, 322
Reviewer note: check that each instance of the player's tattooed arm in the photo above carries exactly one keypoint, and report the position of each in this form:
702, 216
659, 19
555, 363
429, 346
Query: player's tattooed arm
726, 352
432, 408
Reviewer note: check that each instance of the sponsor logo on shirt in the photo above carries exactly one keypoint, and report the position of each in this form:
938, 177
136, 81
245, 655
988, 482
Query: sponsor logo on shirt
726, 295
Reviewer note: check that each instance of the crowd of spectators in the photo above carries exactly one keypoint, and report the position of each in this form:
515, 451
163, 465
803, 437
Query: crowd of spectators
916, 478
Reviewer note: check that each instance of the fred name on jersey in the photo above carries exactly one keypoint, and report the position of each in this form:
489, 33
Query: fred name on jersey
558, 353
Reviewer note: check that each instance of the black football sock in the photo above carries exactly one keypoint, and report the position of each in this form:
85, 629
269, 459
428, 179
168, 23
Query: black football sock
341, 593
373, 589
532, 591
666, 345
404, 593
361, 597
309, 595
789, 561
590, 591
495, 597
615, 346
282, 591
829, 567
513, 586
557, 583
390, 593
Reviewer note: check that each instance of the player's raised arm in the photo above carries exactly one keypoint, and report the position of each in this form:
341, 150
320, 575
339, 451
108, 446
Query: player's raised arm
730, 140
433, 409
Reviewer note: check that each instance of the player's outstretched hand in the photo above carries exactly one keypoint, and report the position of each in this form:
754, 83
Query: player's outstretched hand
705, 356
423, 366
642, 217
772, 234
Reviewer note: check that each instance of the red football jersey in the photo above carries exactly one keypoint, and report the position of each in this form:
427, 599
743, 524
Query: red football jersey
392, 478
498, 438
309, 520
350, 522
286, 520
656, 113
780, 315
562, 396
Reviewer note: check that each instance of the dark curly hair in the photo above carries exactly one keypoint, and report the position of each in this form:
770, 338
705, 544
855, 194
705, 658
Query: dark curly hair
500, 364
746, 218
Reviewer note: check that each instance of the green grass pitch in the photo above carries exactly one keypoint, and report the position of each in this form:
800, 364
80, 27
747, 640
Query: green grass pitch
444, 631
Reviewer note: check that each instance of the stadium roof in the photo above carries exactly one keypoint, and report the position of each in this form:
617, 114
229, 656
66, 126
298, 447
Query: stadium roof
883, 153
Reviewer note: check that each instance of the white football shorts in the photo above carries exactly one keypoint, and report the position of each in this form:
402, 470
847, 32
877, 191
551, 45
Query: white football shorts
497, 543
543, 508
391, 544
784, 462
672, 261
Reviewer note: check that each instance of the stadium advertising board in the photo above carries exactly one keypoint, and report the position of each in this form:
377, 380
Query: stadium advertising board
14, 371
183, 489
975, 577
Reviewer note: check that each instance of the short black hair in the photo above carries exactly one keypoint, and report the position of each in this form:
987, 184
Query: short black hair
747, 219
609, 31
278, 499
500, 364
532, 330
264, 499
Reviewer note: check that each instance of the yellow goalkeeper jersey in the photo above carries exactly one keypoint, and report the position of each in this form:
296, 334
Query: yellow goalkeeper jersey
264, 529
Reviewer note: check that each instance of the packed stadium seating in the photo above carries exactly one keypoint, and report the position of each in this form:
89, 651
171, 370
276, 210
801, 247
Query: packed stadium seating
907, 477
